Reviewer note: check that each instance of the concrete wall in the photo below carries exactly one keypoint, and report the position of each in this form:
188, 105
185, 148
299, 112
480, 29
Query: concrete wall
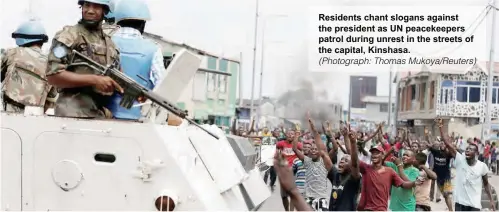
373, 113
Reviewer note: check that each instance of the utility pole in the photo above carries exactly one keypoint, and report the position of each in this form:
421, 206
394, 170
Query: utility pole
350, 100
254, 62
488, 118
390, 96
262, 64
240, 79
30, 9
397, 106
260, 96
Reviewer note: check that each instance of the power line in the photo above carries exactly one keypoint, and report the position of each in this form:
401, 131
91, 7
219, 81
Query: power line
480, 17
474, 29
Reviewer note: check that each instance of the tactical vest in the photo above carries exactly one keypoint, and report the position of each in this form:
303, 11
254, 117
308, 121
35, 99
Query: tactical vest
85, 102
110, 29
136, 60
25, 81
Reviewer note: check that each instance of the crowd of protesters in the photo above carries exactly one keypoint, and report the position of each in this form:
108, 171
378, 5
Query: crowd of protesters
376, 172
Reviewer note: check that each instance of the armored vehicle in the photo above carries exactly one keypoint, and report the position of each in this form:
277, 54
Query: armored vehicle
53, 163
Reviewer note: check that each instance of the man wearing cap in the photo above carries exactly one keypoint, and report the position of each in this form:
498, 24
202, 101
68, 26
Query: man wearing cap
377, 181
83, 93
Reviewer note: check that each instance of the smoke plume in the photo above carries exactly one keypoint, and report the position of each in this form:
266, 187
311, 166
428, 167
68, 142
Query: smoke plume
309, 92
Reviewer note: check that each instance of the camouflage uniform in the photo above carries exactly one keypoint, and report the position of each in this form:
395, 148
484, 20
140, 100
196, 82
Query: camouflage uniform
81, 102
24, 82
110, 29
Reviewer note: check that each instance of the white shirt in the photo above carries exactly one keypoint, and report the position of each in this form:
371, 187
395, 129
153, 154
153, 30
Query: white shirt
468, 190
481, 148
427, 153
463, 144
362, 157
267, 154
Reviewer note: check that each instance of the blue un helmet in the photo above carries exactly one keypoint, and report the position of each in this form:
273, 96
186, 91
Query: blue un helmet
106, 4
110, 14
131, 10
29, 32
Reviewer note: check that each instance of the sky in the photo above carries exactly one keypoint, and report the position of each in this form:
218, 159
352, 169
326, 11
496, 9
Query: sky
226, 28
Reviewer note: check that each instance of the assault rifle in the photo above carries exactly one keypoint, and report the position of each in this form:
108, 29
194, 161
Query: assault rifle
132, 89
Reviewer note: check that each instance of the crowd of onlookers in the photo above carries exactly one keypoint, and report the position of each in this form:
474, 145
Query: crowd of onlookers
325, 169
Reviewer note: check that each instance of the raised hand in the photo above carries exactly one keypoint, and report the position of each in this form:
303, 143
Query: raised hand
439, 121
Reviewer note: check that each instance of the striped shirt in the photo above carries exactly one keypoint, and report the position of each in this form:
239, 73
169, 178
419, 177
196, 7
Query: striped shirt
316, 178
300, 176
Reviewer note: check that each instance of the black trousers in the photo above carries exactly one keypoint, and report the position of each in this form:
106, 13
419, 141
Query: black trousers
423, 208
273, 176
459, 207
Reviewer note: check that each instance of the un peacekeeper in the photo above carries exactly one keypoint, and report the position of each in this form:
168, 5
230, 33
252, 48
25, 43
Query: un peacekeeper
83, 93
23, 69
141, 59
109, 25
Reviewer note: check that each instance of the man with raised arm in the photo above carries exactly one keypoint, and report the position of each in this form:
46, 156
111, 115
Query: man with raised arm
317, 164
471, 175
377, 181
345, 180
285, 147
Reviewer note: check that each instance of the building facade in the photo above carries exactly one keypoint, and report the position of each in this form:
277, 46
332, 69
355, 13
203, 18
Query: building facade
457, 94
377, 108
210, 97
361, 86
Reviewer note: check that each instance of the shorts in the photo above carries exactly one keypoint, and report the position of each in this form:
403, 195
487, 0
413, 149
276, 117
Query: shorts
445, 186
459, 207
423, 208
318, 204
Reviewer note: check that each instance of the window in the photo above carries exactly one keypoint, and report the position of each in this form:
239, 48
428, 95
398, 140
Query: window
199, 86
223, 64
383, 108
468, 91
222, 79
212, 79
432, 94
222, 83
446, 92
413, 92
211, 82
422, 96
401, 100
495, 93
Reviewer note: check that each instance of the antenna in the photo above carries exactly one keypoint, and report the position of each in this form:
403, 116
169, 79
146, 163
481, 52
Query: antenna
31, 14
30, 7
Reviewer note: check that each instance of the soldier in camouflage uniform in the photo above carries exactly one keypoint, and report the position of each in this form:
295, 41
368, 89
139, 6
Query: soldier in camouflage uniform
24, 82
83, 93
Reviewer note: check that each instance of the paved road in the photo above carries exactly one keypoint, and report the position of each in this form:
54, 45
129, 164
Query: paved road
274, 203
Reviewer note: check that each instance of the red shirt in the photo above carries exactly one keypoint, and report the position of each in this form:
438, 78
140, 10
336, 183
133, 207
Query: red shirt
486, 151
376, 187
387, 146
287, 149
